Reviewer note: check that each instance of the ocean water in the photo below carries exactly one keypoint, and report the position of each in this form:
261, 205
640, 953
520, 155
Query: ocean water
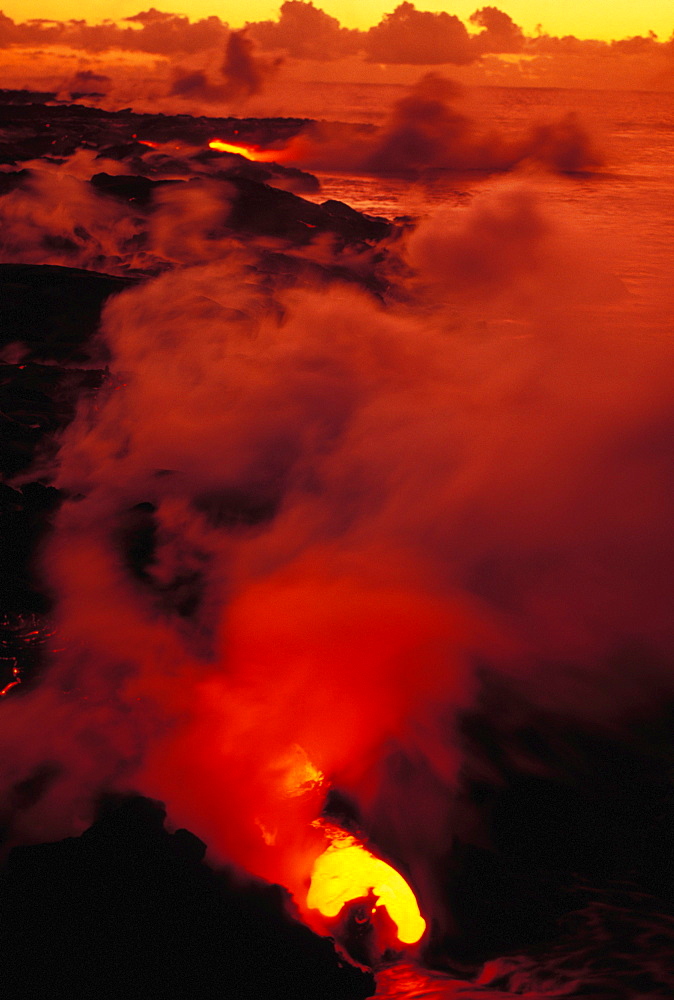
627, 204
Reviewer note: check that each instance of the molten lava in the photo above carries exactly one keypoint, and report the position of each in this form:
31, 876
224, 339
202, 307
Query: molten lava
13, 683
249, 152
347, 871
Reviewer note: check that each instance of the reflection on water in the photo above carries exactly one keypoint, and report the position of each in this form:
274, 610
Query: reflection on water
618, 946
406, 981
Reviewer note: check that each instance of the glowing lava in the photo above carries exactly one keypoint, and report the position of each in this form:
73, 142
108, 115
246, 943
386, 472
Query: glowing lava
250, 152
13, 683
347, 871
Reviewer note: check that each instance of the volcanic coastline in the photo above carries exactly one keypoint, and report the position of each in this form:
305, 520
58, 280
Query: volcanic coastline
130, 907
127, 908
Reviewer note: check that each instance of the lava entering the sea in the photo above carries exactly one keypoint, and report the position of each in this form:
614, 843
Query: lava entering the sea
250, 152
347, 871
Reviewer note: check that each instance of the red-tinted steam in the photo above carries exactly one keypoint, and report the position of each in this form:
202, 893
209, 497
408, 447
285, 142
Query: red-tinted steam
244, 73
303, 518
425, 132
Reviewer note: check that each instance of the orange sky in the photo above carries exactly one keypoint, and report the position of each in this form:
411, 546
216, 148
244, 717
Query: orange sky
604, 19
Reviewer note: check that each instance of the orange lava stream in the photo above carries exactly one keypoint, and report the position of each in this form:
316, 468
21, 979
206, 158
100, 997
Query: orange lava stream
249, 152
12, 684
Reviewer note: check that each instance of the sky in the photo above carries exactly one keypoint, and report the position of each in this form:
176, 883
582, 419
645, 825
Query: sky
169, 57
602, 19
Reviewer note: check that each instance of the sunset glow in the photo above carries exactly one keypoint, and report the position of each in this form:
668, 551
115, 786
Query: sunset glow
171, 60
603, 19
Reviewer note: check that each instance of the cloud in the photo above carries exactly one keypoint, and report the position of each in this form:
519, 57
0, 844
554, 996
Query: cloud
501, 34
243, 73
150, 16
160, 34
409, 35
404, 38
306, 32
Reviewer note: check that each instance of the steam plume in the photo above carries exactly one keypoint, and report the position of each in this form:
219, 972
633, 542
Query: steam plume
299, 521
425, 132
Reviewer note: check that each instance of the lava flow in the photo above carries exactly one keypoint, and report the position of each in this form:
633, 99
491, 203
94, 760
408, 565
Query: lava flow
347, 871
249, 152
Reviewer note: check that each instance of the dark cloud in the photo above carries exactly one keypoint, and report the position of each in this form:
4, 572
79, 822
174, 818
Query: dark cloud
306, 32
419, 37
159, 34
500, 34
406, 36
89, 76
151, 16
636, 45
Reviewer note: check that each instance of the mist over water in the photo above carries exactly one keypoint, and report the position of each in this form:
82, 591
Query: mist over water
317, 514
624, 204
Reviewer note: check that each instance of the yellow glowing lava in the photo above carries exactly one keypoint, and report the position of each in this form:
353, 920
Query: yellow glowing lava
250, 152
347, 870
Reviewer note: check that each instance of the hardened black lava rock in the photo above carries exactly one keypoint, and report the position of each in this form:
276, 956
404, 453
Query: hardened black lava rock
53, 311
130, 910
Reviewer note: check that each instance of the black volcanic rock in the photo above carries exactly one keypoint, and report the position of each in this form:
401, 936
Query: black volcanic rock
53, 310
263, 210
546, 807
12, 180
258, 209
35, 402
128, 187
25, 519
49, 313
130, 911
26, 96
286, 178
61, 128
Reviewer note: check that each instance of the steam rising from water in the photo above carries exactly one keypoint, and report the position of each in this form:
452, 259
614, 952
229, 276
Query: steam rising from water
300, 519
425, 132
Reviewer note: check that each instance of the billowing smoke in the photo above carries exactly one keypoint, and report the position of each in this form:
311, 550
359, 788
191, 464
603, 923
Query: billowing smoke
297, 521
426, 132
243, 70
54, 216
243, 73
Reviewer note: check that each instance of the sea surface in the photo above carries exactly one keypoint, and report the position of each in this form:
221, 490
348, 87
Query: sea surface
627, 204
